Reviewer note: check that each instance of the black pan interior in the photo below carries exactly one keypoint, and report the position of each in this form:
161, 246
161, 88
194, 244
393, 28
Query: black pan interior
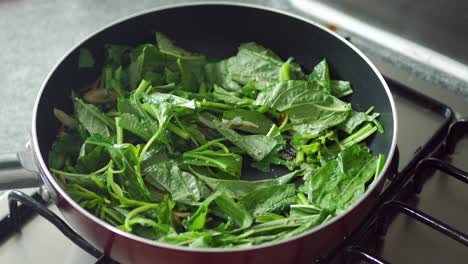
217, 30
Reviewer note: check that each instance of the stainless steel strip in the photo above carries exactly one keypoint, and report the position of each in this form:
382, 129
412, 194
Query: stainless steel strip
416, 60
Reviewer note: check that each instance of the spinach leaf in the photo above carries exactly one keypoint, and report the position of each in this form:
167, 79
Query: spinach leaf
269, 199
248, 121
341, 181
314, 221
251, 89
340, 88
257, 146
191, 238
91, 158
320, 77
197, 220
148, 63
303, 210
125, 156
164, 211
188, 80
93, 119
230, 163
222, 95
267, 217
86, 198
116, 80
237, 189
355, 119
164, 107
252, 62
166, 46
240, 217
277, 226
309, 108
276, 155
117, 55
155, 154
136, 126
65, 146
183, 186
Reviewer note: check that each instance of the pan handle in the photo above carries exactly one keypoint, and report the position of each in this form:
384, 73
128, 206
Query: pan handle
17, 170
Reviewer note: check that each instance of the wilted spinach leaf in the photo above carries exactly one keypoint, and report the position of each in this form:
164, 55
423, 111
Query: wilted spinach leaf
93, 119
257, 146
341, 181
309, 108
269, 199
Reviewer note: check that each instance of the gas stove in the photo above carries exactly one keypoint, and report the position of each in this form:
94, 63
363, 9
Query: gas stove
421, 215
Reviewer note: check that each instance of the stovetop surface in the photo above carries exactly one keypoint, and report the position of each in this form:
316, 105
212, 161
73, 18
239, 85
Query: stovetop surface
406, 240
443, 197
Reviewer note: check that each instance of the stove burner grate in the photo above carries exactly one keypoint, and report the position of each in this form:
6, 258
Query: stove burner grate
387, 210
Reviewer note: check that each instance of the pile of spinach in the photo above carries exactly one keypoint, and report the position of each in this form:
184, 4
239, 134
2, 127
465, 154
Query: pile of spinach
157, 145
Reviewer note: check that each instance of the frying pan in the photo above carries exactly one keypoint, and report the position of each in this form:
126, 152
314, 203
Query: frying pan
216, 30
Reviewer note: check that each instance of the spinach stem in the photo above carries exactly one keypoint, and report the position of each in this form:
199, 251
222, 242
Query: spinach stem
262, 109
141, 88
285, 71
359, 136
202, 88
209, 160
273, 113
70, 174
116, 192
284, 123
265, 109
299, 157
208, 104
147, 222
211, 143
119, 131
112, 214
178, 131
302, 198
148, 144
370, 110
173, 128
136, 211
380, 164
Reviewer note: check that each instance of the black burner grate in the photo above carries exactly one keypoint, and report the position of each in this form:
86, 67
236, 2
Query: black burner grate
386, 211
409, 181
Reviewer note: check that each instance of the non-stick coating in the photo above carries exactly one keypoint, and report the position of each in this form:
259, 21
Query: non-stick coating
217, 30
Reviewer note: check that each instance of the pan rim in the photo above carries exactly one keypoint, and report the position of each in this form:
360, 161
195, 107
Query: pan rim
43, 168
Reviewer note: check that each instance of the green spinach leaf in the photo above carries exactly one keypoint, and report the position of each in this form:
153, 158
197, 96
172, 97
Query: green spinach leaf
341, 181
269, 199
309, 108
248, 121
93, 119
340, 88
183, 186
257, 146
